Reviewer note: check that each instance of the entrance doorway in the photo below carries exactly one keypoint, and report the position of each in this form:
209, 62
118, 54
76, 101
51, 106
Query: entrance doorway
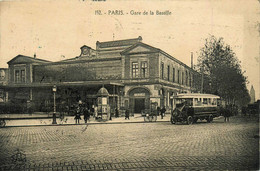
139, 105
139, 99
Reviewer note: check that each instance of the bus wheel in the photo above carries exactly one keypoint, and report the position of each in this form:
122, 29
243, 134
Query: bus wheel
172, 120
189, 120
210, 119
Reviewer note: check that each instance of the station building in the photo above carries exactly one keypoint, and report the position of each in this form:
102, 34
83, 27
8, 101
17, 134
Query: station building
134, 73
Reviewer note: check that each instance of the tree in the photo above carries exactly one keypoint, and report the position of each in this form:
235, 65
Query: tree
219, 64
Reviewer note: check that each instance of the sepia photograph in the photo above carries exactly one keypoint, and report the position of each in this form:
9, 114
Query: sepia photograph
129, 85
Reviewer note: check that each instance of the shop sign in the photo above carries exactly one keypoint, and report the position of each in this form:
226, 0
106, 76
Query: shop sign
139, 94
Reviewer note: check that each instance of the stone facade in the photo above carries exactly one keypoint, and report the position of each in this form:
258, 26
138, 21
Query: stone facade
134, 73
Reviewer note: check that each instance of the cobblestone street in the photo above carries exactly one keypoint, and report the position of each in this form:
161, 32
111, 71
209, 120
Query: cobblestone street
133, 146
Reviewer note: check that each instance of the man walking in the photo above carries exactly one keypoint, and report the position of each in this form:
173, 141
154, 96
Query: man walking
126, 114
163, 112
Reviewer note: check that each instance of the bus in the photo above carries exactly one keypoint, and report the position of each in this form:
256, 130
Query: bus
193, 106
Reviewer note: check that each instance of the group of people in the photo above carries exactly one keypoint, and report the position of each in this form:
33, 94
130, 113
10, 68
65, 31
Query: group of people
226, 112
161, 111
82, 110
86, 112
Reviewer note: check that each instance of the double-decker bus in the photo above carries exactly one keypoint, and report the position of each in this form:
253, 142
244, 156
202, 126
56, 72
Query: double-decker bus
191, 107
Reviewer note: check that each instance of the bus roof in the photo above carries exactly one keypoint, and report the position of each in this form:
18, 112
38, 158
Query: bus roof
194, 95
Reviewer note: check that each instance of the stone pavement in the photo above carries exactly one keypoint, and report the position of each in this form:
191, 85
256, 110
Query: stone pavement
37, 120
136, 146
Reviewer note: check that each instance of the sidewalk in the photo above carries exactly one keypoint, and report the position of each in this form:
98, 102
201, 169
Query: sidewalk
13, 120
46, 120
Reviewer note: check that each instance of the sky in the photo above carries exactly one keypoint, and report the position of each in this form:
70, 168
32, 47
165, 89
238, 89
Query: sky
55, 30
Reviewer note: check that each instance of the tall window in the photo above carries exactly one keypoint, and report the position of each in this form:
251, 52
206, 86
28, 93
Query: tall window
23, 76
144, 69
168, 73
135, 69
182, 77
17, 76
190, 75
173, 74
186, 76
162, 69
179, 76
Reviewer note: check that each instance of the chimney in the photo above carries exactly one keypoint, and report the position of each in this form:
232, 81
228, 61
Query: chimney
191, 65
34, 56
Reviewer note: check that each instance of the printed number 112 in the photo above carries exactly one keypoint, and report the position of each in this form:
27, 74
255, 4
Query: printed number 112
98, 12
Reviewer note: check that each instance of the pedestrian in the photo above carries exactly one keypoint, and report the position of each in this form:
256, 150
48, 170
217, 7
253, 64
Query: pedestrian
117, 113
62, 110
244, 110
86, 114
77, 115
163, 110
227, 114
126, 114
158, 110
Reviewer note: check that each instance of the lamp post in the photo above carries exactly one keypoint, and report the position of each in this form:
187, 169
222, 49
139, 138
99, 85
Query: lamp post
54, 89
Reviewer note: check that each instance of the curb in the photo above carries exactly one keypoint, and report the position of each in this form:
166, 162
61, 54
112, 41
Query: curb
97, 123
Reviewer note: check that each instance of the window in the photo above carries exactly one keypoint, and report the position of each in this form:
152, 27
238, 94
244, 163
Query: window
214, 101
179, 76
186, 76
168, 73
190, 79
197, 101
189, 102
205, 101
144, 69
182, 77
135, 69
173, 74
23, 76
209, 101
162, 69
17, 76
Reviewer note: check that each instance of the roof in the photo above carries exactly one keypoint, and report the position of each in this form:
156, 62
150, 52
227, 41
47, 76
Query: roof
148, 48
116, 43
102, 92
85, 46
26, 59
195, 95
152, 50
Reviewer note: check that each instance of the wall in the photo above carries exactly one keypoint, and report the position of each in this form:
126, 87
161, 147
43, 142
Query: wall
182, 68
78, 71
152, 61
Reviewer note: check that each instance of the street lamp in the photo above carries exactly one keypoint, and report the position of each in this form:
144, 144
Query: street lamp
54, 89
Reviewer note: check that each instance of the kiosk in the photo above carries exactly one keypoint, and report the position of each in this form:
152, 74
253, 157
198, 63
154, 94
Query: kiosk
103, 107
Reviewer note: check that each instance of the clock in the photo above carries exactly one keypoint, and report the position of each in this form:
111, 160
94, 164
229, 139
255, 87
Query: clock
85, 51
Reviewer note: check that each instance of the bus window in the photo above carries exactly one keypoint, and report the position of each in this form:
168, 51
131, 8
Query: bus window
179, 101
209, 101
197, 102
189, 102
205, 101
214, 102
